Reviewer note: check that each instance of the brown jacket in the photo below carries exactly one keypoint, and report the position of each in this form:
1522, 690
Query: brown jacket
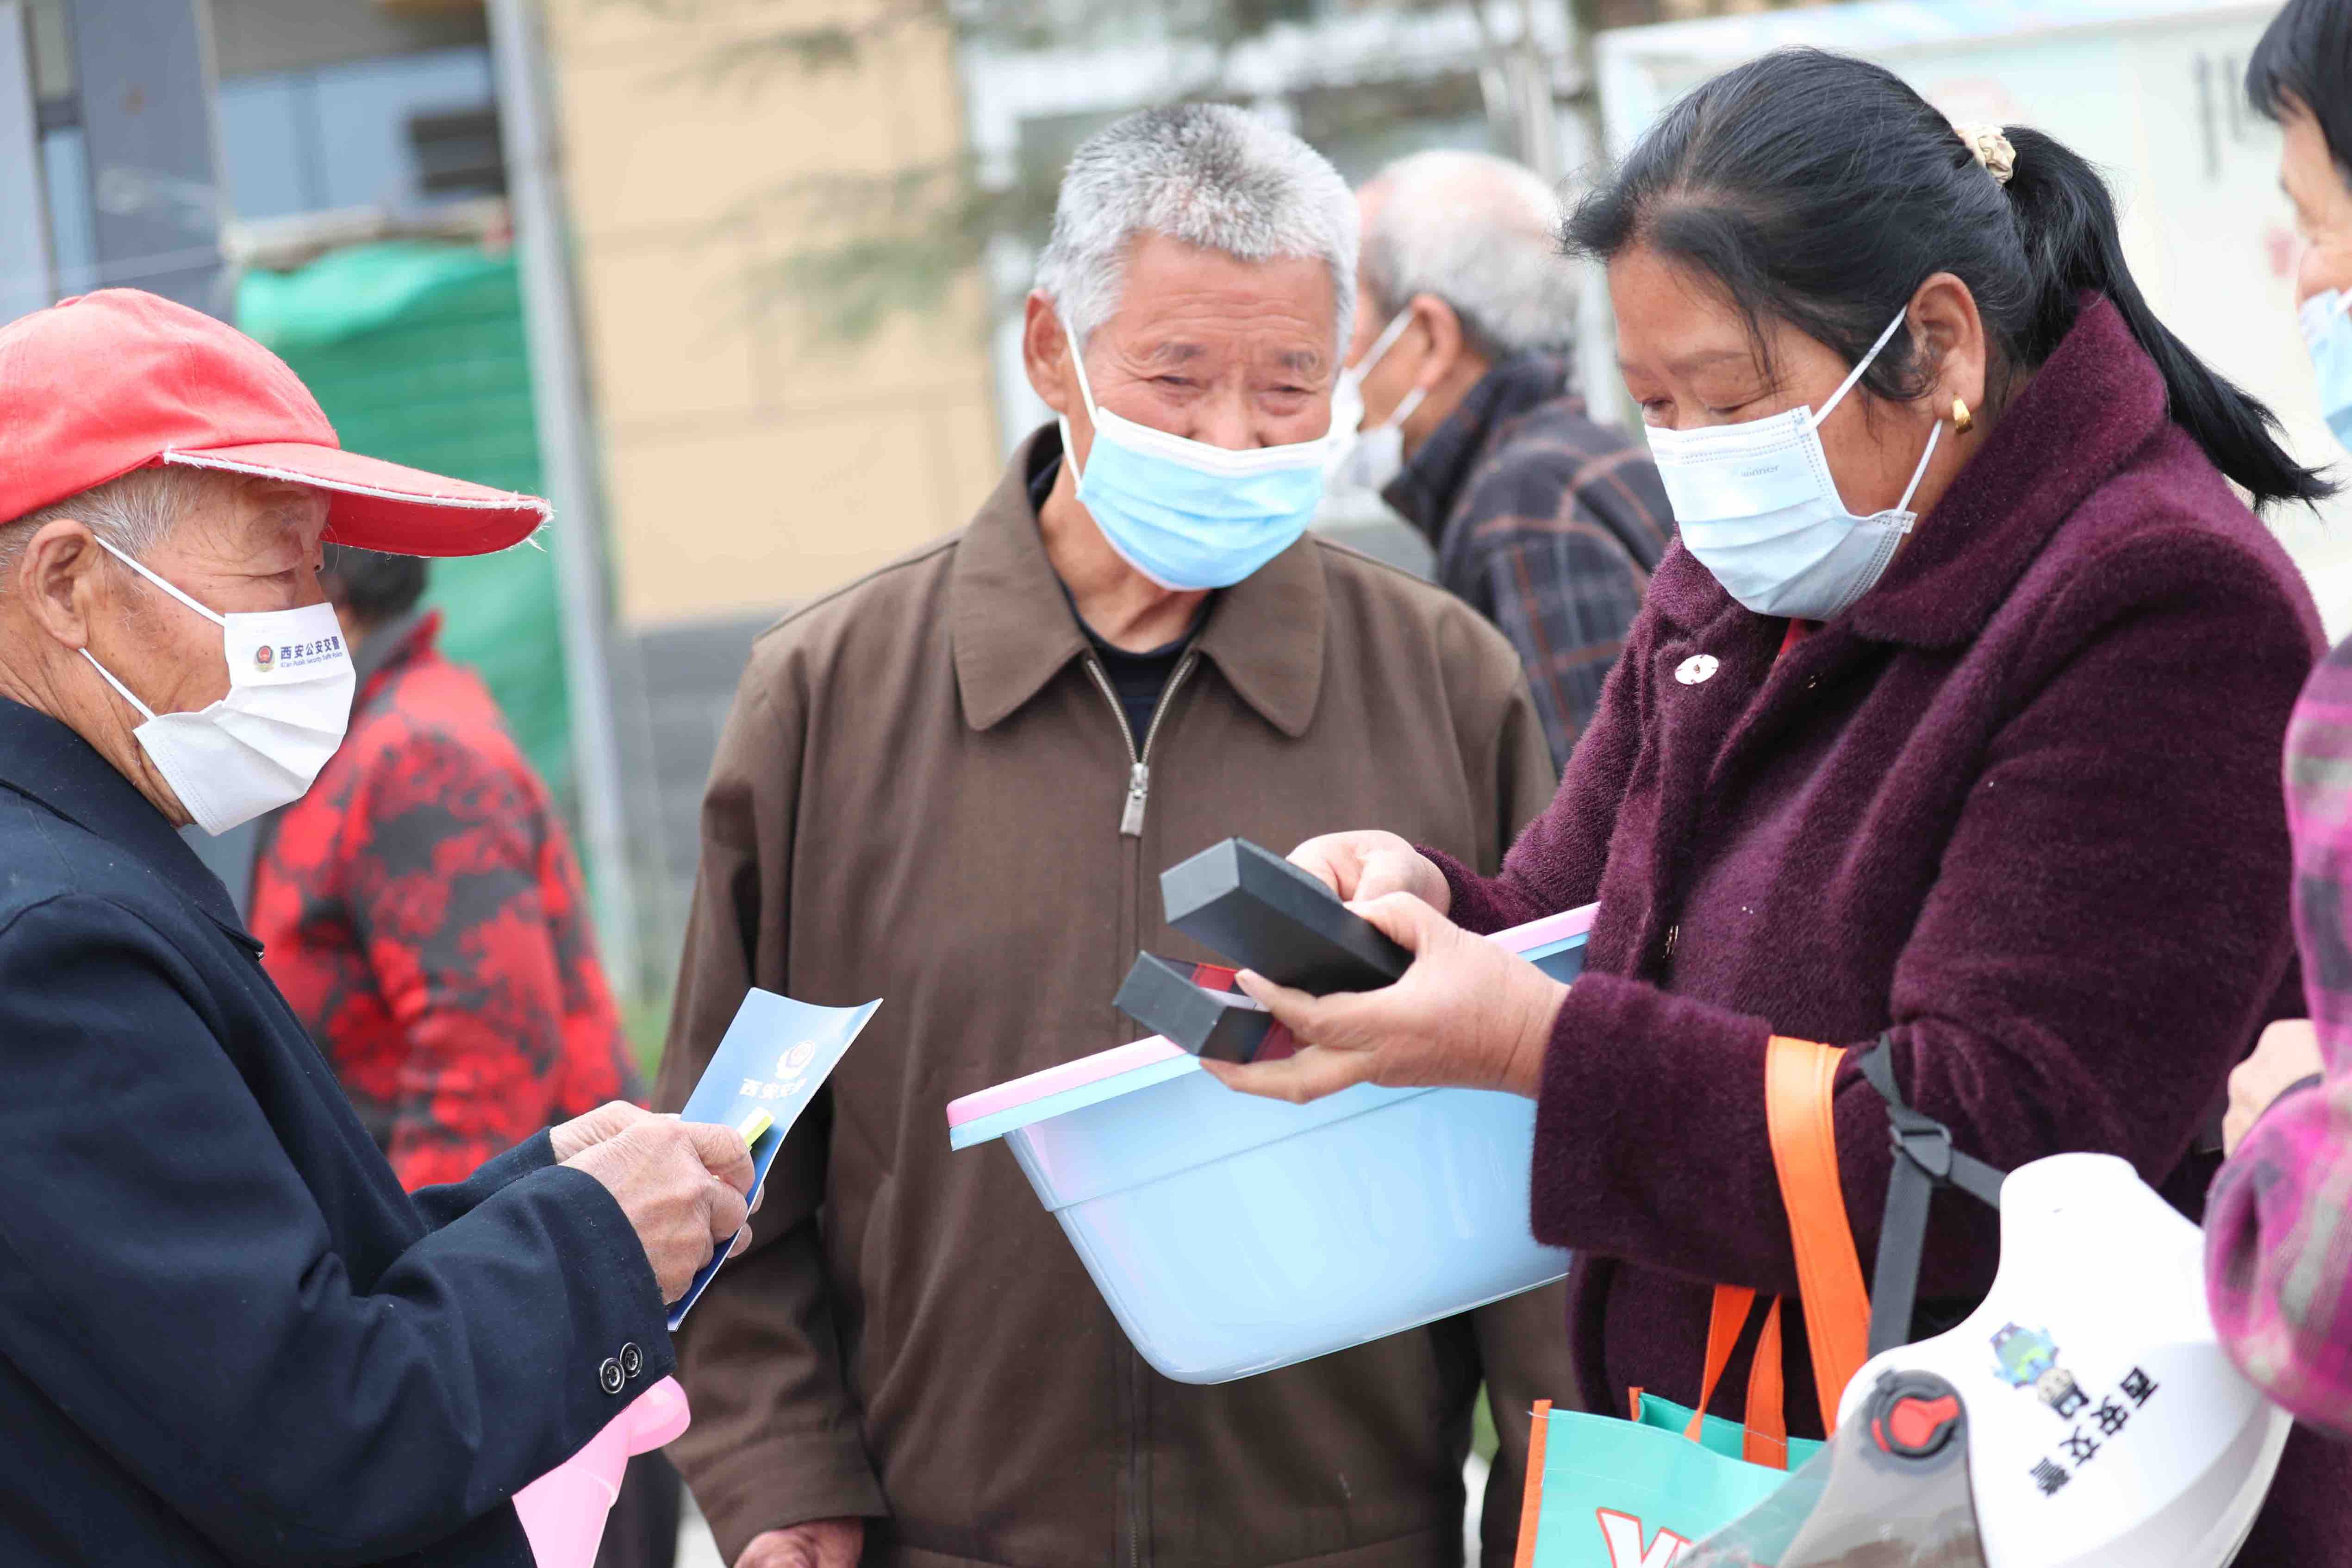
920, 796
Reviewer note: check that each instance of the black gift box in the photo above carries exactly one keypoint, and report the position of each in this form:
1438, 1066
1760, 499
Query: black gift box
1266, 914
1168, 998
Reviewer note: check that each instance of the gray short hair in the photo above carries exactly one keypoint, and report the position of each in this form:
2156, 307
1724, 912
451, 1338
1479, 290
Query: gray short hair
132, 513
1209, 174
1480, 233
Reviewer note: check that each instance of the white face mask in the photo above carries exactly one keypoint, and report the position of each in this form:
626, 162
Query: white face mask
1372, 458
1757, 504
290, 697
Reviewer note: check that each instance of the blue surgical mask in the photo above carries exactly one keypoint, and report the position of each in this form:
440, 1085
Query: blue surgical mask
2327, 333
1757, 504
1186, 514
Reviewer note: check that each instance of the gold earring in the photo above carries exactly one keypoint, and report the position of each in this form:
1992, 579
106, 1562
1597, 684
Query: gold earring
1961, 418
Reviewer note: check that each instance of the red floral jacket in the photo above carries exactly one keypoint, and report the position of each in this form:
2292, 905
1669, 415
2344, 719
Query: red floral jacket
422, 911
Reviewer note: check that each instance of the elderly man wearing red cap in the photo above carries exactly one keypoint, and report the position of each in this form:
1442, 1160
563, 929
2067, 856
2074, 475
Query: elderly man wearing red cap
227, 1335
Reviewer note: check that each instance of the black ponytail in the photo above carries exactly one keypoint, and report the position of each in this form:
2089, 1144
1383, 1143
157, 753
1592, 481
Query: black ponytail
1821, 191
2066, 219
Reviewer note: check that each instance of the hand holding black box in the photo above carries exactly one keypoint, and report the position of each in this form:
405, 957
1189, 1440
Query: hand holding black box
1169, 999
1265, 913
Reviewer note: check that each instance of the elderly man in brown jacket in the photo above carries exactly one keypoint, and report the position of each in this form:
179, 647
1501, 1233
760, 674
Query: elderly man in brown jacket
952, 784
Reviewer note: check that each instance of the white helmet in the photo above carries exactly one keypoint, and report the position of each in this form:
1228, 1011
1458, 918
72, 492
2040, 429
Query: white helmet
2084, 1415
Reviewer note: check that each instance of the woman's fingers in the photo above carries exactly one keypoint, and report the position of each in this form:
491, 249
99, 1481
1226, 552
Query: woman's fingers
1403, 919
1293, 1009
1327, 858
1313, 1073
1393, 870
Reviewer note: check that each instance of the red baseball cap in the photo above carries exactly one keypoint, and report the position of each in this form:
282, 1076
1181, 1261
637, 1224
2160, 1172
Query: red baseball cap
96, 387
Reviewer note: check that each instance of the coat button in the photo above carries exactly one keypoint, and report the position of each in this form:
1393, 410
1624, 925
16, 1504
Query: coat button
632, 1361
1698, 666
609, 1376
1673, 938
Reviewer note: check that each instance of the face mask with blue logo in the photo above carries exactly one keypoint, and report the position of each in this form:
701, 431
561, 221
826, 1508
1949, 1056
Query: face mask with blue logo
1187, 515
290, 682
2327, 333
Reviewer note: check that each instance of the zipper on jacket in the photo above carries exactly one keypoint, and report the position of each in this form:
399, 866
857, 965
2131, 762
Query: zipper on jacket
1139, 759
1131, 827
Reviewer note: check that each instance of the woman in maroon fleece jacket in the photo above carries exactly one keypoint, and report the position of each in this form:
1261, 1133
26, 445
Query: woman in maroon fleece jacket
2015, 802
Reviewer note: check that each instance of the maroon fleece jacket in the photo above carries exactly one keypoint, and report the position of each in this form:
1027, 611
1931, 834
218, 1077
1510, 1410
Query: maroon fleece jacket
2019, 806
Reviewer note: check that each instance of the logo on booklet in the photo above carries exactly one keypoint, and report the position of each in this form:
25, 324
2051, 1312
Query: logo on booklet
792, 1071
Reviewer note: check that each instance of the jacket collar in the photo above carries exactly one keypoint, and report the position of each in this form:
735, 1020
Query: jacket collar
1012, 629
1433, 479
395, 645
45, 760
2094, 402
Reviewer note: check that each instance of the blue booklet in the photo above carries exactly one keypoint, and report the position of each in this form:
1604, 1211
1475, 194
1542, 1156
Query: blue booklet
775, 1057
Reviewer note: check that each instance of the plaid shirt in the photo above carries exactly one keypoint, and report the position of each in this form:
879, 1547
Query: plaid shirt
422, 912
1548, 523
2278, 1225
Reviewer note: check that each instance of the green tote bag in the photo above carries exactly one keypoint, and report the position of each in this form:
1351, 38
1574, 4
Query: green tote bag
1606, 1493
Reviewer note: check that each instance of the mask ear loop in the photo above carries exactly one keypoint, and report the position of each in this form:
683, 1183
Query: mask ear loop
1919, 473
221, 621
1078, 364
1380, 345
1405, 406
1859, 365
146, 714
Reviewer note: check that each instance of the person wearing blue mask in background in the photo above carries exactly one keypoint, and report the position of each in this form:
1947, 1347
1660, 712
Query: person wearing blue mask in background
2278, 1235
952, 784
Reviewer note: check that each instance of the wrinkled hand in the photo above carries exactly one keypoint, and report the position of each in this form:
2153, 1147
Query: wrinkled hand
609, 1120
1361, 866
820, 1543
682, 1185
1465, 1013
2287, 1053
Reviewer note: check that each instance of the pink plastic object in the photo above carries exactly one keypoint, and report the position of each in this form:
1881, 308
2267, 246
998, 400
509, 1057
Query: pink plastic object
563, 1511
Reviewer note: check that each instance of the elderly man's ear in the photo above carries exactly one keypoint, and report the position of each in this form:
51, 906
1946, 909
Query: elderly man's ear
1441, 328
1045, 355
61, 581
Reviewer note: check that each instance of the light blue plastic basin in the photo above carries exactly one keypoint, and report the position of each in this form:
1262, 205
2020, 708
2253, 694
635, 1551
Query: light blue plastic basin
1233, 1235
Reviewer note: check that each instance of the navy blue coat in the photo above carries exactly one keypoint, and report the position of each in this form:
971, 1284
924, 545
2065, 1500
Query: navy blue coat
227, 1335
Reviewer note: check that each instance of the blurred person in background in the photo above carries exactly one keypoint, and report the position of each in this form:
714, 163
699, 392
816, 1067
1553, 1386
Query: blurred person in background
422, 910
2279, 1226
1546, 521
420, 907
952, 784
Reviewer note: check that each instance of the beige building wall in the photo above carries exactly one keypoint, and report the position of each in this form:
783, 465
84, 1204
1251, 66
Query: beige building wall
750, 460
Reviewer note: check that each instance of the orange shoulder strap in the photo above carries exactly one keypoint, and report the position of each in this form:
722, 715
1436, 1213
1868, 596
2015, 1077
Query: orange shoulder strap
1800, 1084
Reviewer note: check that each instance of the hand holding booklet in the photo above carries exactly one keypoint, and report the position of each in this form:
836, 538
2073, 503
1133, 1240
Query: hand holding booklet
774, 1057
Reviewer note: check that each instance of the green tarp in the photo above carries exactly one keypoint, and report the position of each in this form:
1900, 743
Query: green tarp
415, 351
